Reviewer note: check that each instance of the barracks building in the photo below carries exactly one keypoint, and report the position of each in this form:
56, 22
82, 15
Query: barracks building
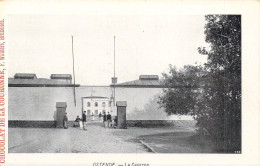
32, 101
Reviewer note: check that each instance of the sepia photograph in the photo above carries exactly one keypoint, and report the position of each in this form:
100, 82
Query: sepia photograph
124, 84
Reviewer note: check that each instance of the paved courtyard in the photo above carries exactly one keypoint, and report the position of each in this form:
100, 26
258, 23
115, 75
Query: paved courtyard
100, 140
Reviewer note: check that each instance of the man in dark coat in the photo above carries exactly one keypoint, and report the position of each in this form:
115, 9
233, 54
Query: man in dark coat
109, 120
104, 119
84, 120
100, 115
65, 121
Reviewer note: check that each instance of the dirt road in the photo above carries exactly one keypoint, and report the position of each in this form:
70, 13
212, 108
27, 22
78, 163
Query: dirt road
73, 140
97, 139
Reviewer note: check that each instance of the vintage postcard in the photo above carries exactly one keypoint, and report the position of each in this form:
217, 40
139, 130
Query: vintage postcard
120, 83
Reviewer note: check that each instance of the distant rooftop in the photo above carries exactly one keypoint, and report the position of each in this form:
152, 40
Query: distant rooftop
146, 81
61, 76
148, 77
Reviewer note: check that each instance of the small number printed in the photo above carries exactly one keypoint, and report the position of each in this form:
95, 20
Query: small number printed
238, 152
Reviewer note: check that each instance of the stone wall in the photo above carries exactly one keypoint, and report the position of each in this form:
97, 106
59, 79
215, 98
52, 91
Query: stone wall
39, 103
30, 124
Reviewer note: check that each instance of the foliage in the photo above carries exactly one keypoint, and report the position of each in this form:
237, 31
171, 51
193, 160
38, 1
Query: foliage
181, 94
216, 104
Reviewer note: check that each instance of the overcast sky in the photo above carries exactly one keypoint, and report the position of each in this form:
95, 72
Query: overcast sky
144, 45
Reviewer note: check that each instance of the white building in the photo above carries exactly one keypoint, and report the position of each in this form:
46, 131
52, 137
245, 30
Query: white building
93, 105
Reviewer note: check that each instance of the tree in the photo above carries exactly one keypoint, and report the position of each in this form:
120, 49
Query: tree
222, 93
216, 104
181, 94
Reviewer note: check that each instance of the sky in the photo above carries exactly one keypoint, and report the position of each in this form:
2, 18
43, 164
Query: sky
147, 44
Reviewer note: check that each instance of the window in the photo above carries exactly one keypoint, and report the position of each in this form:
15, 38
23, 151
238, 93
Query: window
103, 104
88, 113
89, 104
96, 104
96, 112
103, 111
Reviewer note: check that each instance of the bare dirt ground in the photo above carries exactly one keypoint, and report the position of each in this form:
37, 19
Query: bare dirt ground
73, 140
100, 140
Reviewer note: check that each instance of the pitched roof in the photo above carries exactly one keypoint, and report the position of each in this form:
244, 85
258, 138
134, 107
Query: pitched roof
37, 82
146, 81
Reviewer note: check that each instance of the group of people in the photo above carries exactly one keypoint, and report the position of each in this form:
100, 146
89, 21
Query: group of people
107, 121
76, 122
84, 120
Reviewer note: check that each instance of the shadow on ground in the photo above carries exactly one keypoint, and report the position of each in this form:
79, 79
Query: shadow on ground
178, 142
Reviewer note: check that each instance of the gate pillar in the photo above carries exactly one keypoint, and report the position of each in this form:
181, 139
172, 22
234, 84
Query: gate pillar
121, 114
61, 109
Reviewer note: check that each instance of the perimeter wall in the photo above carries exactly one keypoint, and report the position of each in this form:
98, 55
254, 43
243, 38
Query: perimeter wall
39, 103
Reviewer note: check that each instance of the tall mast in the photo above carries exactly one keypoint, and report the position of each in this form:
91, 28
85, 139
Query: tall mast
114, 79
114, 56
74, 90
114, 69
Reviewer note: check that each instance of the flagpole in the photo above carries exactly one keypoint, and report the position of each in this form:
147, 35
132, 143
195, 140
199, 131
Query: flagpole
74, 90
114, 68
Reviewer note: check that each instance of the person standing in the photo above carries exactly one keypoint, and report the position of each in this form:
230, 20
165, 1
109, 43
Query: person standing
84, 120
104, 119
99, 116
65, 121
109, 120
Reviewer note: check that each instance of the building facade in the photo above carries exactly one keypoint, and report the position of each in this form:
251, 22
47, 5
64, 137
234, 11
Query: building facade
34, 99
95, 105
